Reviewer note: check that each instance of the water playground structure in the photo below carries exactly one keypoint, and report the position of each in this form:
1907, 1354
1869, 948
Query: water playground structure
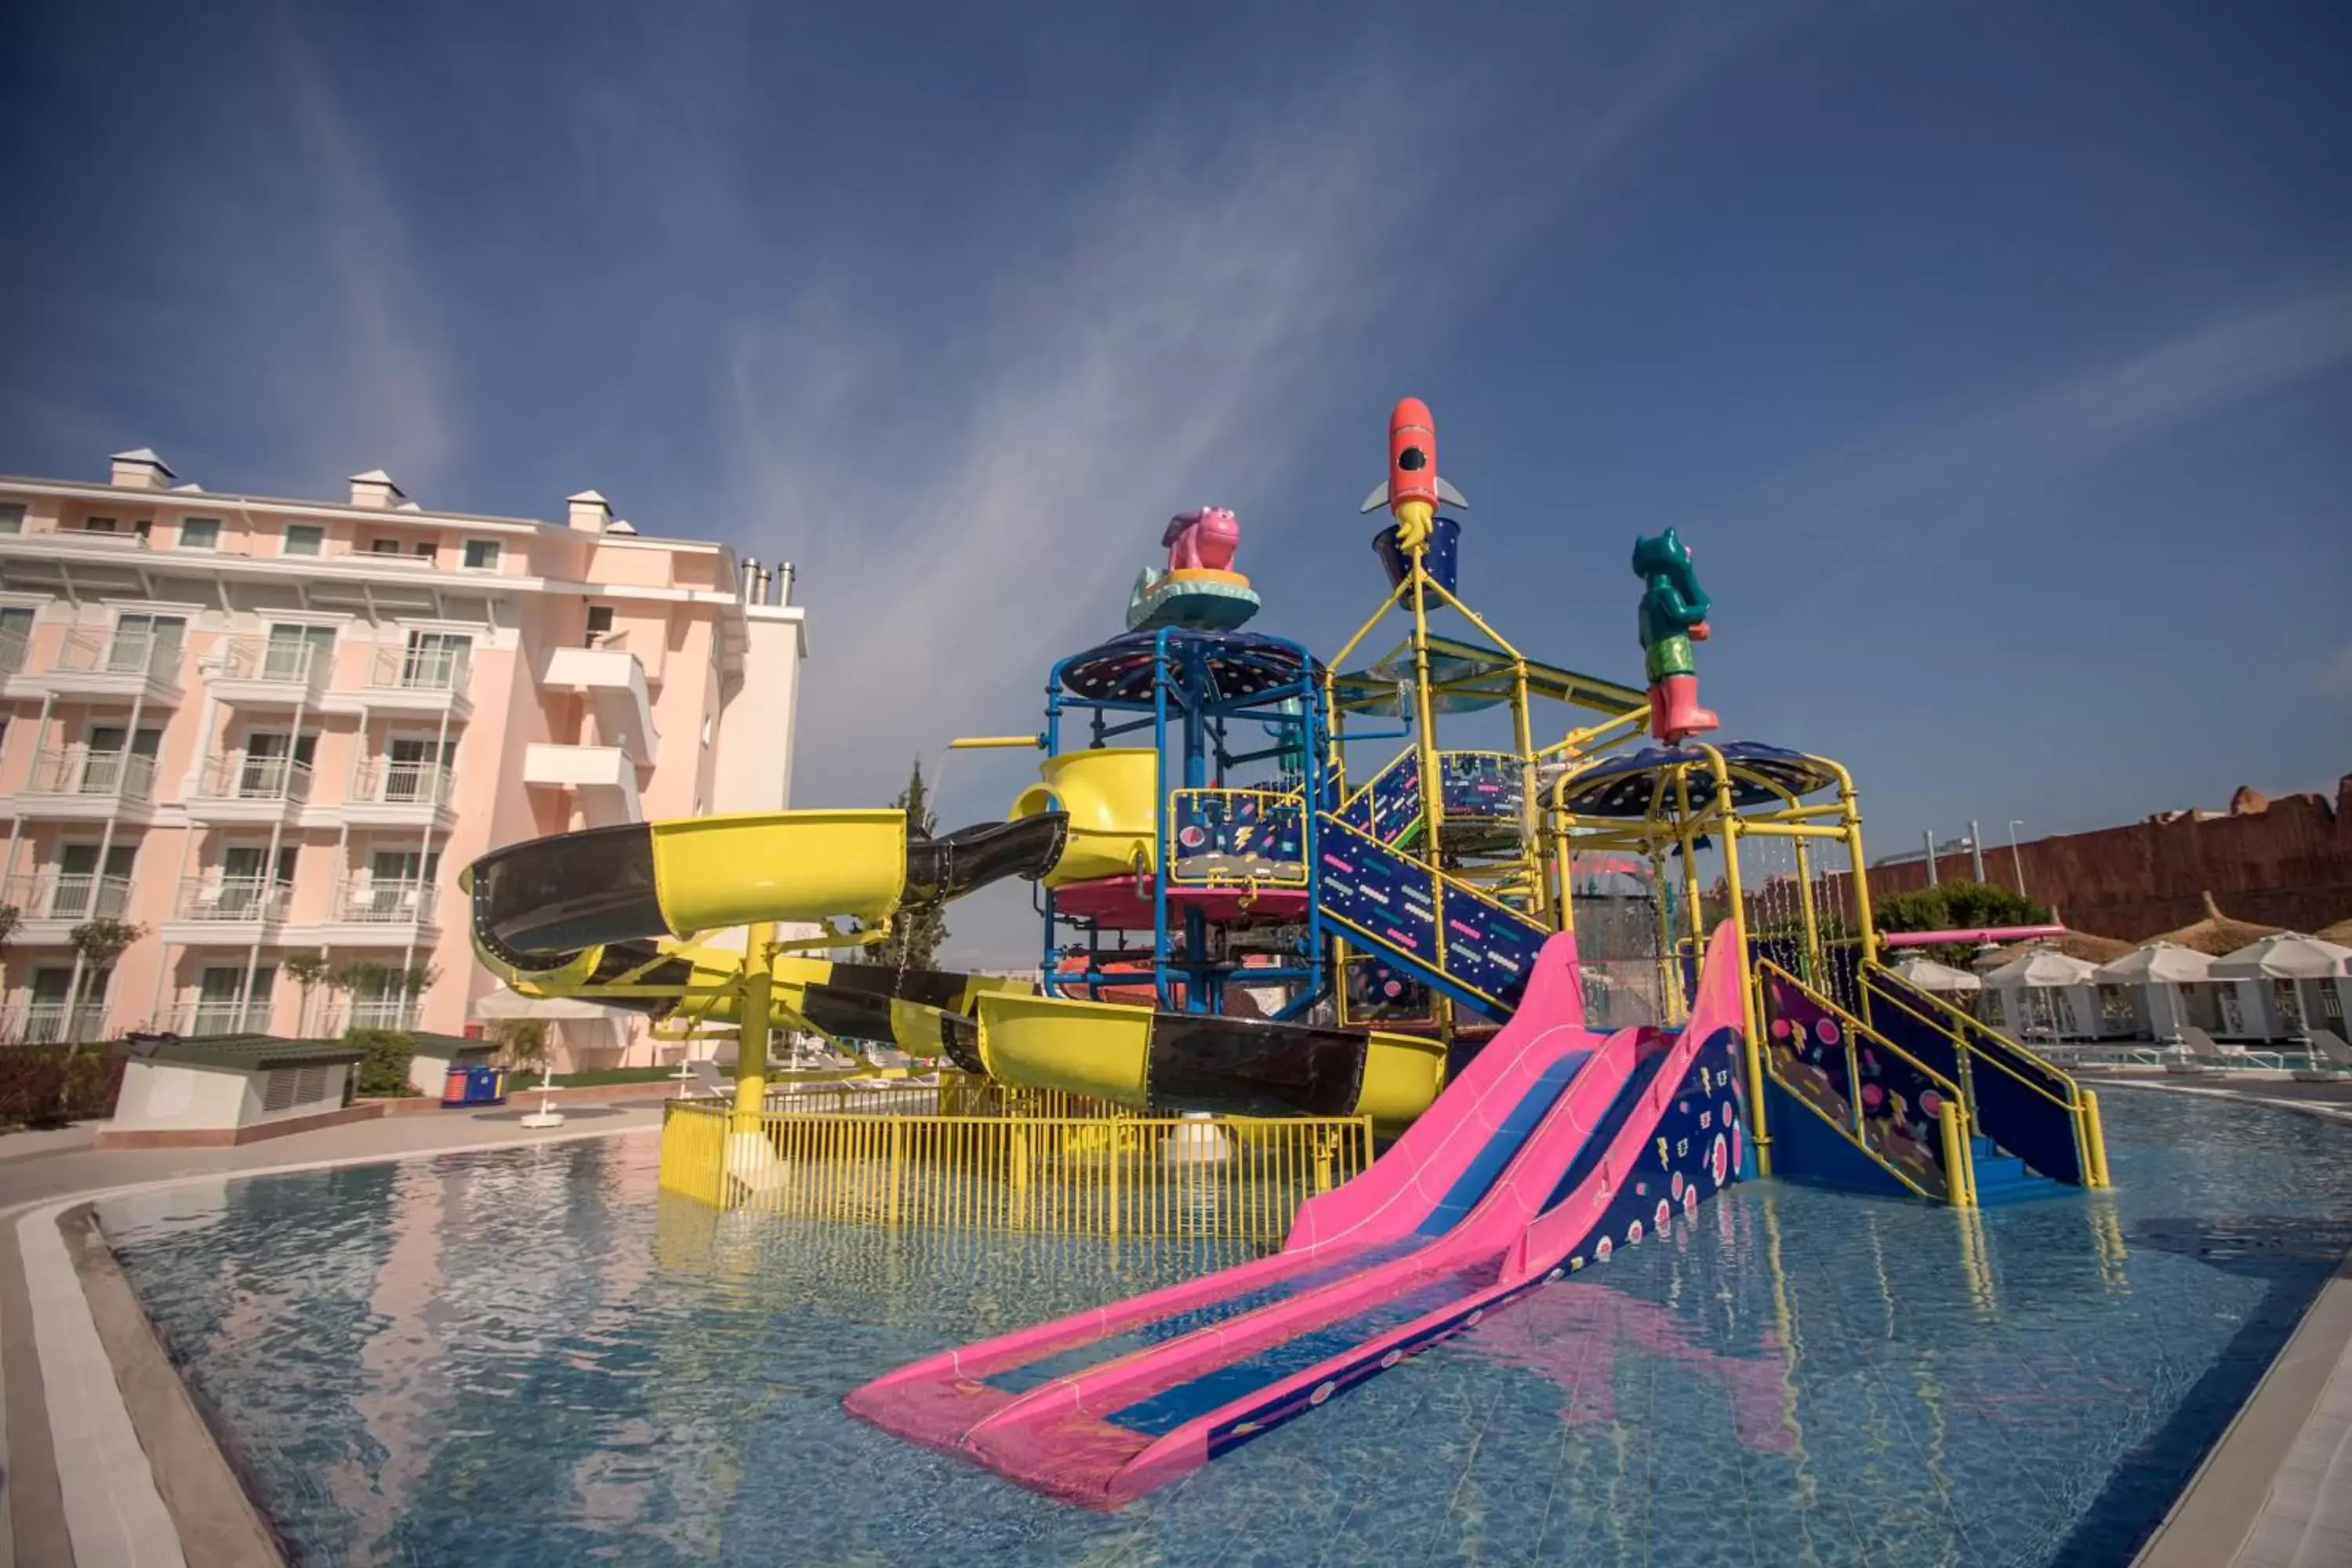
1448, 1023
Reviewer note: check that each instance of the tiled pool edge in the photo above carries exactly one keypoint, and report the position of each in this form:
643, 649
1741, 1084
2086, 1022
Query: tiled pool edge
95, 1503
211, 1508
2263, 1493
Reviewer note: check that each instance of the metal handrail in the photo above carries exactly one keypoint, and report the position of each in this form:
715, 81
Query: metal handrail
1975, 1053
1853, 1022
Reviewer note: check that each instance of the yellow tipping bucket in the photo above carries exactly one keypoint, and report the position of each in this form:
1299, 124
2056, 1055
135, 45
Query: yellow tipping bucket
1112, 796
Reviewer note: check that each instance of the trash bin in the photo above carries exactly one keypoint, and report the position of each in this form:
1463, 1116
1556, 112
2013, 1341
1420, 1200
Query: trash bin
481, 1085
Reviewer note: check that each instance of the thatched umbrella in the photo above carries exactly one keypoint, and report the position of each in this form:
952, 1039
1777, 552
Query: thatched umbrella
2079, 944
2217, 934
2340, 934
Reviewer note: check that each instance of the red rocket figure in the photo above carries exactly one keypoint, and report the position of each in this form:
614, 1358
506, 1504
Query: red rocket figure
1413, 489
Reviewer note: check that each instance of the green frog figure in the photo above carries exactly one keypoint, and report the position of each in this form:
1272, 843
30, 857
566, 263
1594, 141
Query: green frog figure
1674, 614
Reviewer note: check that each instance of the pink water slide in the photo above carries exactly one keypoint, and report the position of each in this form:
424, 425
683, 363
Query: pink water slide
1487, 1194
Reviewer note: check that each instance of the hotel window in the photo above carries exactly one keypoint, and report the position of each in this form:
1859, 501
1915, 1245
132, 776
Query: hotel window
481, 555
200, 533
98, 525
600, 623
12, 516
383, 547
425, 548
304, 539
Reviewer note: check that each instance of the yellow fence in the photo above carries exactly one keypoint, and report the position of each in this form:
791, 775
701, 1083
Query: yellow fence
1225, 1177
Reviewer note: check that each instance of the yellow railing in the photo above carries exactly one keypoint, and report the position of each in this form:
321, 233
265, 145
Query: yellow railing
1974, 1042
1225, 1177
1952, 1123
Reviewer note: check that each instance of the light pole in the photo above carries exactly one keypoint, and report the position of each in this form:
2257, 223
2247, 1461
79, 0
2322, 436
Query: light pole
2015, 858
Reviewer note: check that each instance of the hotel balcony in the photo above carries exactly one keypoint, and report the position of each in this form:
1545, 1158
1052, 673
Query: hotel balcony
53, 1023
108, 666
388, 792
614, 683
368, 914
50, 904
240, 787
216, 911
75, 783
196, 1019
601, 779
266, 672
409, 680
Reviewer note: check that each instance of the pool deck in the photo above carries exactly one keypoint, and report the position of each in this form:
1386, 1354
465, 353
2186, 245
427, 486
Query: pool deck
106, 1461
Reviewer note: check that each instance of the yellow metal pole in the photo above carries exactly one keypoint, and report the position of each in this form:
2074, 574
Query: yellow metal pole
1750, 1012
2094, 1140
1960, 1178
1816, 965
751, 1028
1530, 808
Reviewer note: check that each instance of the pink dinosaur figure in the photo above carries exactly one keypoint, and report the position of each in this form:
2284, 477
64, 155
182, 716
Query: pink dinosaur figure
1202, 539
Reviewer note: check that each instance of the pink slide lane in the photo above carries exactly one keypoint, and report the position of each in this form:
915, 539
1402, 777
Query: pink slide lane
936, 1401
1097, 1423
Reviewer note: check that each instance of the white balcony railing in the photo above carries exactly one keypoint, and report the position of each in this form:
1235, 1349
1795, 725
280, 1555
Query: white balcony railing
392, 903
53, 1024
68, 895
419, 669
393, 781
239, 775
79, 770
92, 650
274, 662
381, 1012
231, 900
225, 1017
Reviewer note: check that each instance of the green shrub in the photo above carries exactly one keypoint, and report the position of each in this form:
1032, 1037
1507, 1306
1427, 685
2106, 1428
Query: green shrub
383, 1070
46, 1086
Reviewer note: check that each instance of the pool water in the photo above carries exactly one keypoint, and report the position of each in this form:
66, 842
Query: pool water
531, 1357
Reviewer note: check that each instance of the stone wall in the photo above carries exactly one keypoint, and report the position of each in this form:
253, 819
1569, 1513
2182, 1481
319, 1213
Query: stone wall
2284, 862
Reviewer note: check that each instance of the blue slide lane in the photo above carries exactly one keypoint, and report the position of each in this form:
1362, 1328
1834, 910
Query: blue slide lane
1165, 1412
1471, 1185
1621, 1111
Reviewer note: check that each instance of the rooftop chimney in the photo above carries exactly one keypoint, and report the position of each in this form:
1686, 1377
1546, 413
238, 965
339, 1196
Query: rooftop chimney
375, 491
590, 511
139, 470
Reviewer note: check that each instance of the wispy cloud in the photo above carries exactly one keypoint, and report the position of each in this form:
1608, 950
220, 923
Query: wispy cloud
1210, 297
377, 389
2335, 675
2054, 429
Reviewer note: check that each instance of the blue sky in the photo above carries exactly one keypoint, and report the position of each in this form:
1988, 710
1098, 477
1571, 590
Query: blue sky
1996, 359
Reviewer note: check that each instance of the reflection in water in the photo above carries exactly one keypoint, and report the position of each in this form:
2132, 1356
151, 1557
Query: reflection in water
530, 1358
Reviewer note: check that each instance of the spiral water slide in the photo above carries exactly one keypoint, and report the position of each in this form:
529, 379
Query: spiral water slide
1554, 1147
612, 913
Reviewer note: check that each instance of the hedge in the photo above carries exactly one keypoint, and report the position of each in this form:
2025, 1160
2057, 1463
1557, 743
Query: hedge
383, 1070
48, 1085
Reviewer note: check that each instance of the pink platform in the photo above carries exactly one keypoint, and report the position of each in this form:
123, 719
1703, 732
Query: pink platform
1124, 903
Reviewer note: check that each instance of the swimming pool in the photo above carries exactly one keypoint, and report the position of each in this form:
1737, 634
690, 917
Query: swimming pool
531, 1358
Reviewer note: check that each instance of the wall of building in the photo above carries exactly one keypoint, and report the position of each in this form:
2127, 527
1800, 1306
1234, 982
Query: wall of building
670, 641
2285, 862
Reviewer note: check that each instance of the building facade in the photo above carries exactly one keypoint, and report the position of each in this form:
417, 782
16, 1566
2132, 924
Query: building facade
257, 728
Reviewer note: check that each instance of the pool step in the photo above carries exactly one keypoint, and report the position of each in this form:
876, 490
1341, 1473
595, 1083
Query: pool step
2003, 1178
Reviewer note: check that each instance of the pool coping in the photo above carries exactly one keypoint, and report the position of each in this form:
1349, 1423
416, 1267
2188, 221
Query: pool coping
82, 1471
2279, 1478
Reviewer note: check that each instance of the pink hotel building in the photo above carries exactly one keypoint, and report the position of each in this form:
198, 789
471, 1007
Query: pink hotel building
256, 726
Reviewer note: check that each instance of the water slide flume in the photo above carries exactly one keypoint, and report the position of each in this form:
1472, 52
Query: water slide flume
1553, 1147
612, 913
